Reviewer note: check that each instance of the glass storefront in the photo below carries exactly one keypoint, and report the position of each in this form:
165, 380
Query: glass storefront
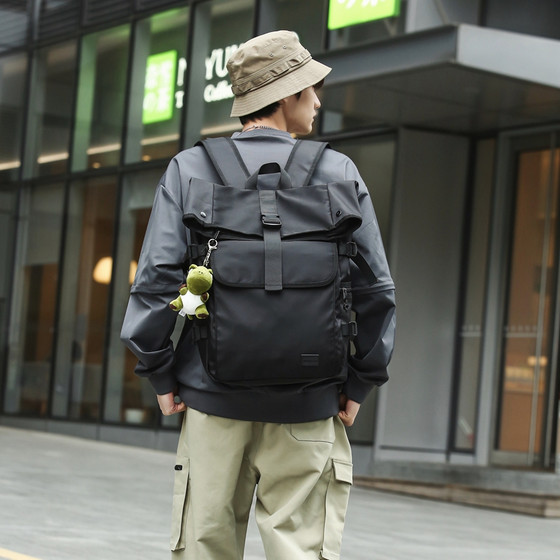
85, 287
34, 300
129, 398
219, 28
101, 99
471, 330
530, 322
157, 86
307, 19
8, 224
13, 73
50, 115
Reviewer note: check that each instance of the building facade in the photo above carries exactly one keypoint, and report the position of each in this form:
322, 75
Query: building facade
450, 109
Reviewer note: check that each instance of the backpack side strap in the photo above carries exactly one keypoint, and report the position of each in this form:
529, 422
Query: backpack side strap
303, 160
227, 161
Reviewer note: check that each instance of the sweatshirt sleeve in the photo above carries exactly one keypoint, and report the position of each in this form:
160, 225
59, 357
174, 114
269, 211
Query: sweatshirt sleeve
148, 322
373, 301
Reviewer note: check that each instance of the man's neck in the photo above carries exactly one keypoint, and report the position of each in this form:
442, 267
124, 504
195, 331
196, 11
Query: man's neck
274, 121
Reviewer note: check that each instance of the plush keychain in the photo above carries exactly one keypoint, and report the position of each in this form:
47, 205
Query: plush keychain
194, 294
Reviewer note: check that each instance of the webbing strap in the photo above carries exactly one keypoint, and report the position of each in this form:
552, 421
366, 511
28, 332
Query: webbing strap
302, 167
227, 161
364, 267
272, 241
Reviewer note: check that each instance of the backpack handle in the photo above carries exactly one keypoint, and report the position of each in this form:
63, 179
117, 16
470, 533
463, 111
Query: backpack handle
269, 183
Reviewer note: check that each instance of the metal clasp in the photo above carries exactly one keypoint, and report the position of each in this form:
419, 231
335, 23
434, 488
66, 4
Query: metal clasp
212, 246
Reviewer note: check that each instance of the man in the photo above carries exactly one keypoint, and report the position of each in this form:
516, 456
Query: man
288, 443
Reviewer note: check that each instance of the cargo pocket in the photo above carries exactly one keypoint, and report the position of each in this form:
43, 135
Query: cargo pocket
180, 505
336, 503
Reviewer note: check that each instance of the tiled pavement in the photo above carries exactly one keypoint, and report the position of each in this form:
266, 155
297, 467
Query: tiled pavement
64, 498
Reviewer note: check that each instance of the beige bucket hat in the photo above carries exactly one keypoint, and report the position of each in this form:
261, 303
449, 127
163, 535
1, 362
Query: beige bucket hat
268, 68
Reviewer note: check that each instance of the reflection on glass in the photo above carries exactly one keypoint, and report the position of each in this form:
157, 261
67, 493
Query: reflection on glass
129, 398
34, 300
50, 111
221, 26
158, 75
8, 198
475, 292
101, 97
528, 321
84, 300
13, 71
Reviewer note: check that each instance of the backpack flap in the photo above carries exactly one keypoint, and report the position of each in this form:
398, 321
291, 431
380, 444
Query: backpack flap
332, 209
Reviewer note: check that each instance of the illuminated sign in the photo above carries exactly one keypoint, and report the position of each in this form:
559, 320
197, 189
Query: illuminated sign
216, 65
343, 13
159, 88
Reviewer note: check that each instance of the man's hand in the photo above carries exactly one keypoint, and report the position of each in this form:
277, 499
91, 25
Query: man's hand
168, 405
348, 410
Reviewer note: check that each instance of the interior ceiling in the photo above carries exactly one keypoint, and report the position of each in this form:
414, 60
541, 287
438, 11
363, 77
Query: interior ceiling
445, 95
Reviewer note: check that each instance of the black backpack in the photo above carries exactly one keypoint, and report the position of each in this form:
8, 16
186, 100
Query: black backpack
279, 250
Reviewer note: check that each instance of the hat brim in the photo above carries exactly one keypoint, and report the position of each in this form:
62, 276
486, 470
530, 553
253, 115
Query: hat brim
288, 84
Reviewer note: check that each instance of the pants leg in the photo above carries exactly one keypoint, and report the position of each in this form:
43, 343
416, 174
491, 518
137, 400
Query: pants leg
303, 471
302, 495
213, 490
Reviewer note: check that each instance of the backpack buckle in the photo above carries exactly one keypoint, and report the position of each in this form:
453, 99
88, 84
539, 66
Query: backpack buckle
351, 249
271, 220
350, 329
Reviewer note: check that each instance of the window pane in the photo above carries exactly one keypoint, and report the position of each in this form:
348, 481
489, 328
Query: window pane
475, 293
50, 111
101, 96
220, 27
528, 327
7, 243
307, 19
129, 398
34, 300
84, 298
13, 71
14, 22
157, 86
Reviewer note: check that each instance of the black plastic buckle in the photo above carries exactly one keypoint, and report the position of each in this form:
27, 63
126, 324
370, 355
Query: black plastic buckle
350, 329
271, 220
351, 249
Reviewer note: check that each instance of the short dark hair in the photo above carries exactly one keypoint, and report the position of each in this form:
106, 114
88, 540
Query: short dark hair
272, 108
261, 113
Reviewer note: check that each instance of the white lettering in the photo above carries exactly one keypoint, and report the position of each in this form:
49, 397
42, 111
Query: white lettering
218, 92
181, 69
179, 95
216, 63
209, 62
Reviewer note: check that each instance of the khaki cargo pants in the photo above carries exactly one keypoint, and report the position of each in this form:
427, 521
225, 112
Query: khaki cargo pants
302, 474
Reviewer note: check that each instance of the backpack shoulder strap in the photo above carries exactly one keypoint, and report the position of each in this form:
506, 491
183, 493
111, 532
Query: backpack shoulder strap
303, 160
227, 161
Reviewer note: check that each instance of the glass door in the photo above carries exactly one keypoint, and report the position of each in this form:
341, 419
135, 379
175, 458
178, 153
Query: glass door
529, 341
